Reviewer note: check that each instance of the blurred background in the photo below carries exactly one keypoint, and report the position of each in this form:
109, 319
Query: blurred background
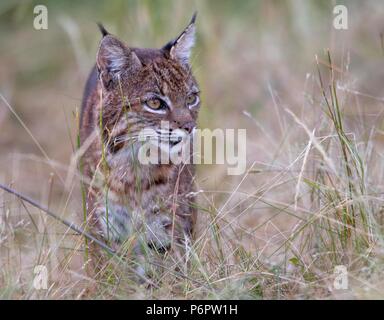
244, 52
253, 61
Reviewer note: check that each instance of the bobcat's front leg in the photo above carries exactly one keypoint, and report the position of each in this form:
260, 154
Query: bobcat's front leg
150, 227
114, 222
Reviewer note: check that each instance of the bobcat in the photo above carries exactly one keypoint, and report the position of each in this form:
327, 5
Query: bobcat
130, 89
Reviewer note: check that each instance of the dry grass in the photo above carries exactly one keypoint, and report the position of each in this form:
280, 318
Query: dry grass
311, 199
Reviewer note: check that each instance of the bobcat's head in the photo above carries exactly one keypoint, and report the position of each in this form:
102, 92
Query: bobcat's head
142, 88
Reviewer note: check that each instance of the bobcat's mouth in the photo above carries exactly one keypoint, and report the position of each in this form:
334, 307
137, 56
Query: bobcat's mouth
172, 138
175, 141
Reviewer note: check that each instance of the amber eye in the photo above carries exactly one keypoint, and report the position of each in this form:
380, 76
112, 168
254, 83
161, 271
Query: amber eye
154, 103
192, 99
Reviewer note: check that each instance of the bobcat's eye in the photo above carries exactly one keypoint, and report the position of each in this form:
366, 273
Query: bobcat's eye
192, 100
154, 103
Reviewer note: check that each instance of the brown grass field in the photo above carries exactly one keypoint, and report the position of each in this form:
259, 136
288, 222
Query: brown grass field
310, 97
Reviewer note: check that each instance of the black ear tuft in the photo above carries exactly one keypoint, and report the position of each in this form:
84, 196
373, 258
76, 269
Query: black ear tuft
103, 31
193, 20
180, 48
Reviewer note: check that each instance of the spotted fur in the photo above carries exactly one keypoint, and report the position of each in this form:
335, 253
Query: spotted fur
125, 196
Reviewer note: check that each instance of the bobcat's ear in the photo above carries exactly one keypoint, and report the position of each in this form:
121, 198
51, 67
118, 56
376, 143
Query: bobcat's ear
180, 48
114, 58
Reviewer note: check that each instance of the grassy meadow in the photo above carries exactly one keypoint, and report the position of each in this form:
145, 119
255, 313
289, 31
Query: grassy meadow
310, 98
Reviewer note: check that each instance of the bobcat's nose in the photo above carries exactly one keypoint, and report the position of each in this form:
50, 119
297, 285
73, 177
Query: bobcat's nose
188, 126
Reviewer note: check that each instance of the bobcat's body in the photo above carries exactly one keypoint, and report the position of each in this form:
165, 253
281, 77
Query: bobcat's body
128, 90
